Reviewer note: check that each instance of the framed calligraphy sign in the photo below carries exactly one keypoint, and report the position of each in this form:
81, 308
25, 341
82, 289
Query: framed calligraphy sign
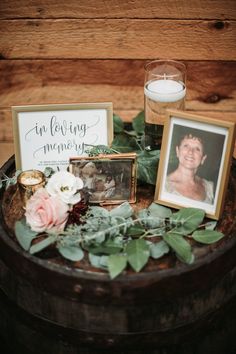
48, 135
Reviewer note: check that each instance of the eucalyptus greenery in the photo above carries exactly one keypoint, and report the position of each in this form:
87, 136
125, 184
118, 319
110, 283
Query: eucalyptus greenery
120, 238
132, 140
116, 239
6, 181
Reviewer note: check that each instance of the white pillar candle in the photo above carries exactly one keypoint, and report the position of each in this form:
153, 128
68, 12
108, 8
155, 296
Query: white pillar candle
165, 90
30, 181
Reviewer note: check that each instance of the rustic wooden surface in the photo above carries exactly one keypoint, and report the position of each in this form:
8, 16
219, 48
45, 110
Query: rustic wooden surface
118, 9
128, 38
94, 51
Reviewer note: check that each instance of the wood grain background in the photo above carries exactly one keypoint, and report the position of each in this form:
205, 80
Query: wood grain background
95, 51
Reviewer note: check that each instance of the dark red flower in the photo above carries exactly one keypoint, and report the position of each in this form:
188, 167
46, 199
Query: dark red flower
78, 210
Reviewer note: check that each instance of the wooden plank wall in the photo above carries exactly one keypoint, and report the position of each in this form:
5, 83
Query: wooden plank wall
95, 51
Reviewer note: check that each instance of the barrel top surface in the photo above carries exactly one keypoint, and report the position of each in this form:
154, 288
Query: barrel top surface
164, 301
167, 266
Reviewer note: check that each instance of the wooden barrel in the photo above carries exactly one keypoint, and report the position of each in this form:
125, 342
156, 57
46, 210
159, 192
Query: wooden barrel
169, 307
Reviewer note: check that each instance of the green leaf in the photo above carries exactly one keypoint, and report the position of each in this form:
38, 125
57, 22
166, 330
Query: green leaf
116, 264
115, 242
103, 261
147, 164
94, 260
157, 250
159, 231
210, 225
124, 210
131, 133
48, 171
118, 124
24, 234
8, 182
149, 221
98, 212
207, 236
138, 123
125, 143
138, 253
180, 246
119, 240
43, 244
109, 247
187, 220
135, 230
160, 211
99, 236
17, 173
73, 253
98, 261
117, 225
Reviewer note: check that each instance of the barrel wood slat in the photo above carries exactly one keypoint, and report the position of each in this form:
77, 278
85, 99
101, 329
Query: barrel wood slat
204, 9
211, 84
117, 39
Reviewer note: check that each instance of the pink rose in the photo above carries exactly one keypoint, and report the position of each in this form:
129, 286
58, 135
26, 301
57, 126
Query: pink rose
46, 213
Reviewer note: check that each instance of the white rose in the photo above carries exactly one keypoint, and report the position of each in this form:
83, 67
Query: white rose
66, 186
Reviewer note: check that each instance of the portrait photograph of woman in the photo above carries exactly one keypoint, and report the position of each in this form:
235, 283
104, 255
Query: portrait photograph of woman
192, 163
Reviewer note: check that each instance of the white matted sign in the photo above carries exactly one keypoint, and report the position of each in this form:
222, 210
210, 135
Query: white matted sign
48, 135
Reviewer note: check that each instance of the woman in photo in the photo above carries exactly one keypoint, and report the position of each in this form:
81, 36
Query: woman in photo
89, 176
109, 186
184, 180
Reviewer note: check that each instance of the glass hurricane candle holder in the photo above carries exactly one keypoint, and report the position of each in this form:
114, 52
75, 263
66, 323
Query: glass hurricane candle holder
164, 88
28, 182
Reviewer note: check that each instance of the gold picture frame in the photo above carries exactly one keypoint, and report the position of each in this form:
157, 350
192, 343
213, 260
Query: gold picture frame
48, 135
108, 179
194, 172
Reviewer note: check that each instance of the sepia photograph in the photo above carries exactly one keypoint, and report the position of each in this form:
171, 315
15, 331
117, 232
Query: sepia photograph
108, 179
